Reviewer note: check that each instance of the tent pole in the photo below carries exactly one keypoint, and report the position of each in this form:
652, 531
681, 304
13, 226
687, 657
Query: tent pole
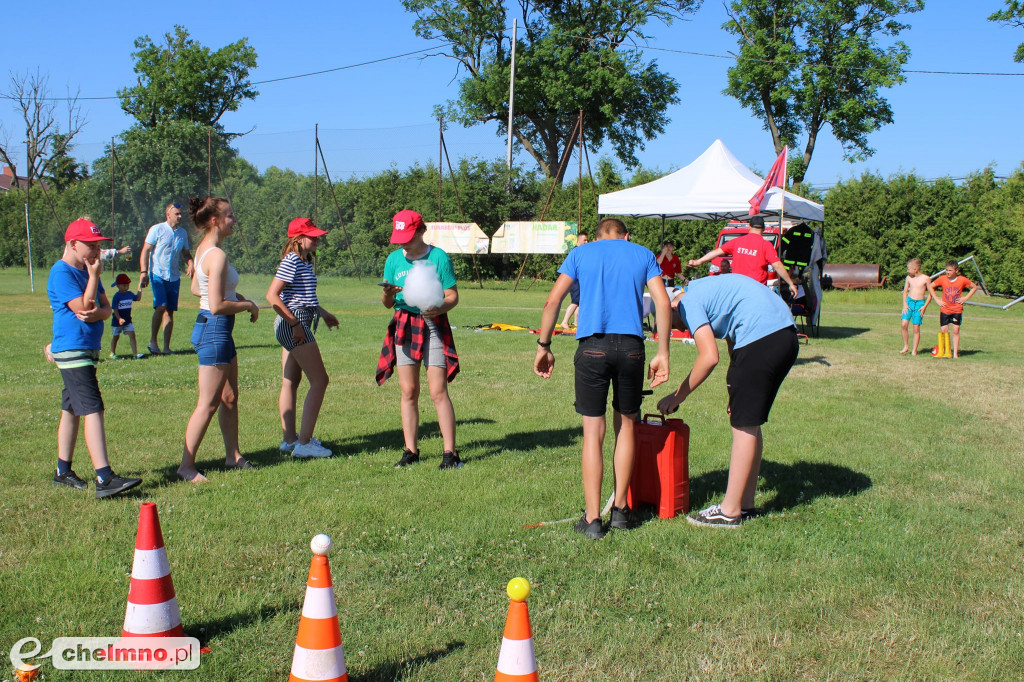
316, 169
663, 229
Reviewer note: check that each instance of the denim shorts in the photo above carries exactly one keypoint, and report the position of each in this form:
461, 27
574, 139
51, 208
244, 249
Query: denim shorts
609, 359
211, 337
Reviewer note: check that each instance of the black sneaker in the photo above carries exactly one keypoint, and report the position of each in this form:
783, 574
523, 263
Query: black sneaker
115, 485
70, 480
450, 460
713, 517
624, 518
592, 529
752, 513
408, 457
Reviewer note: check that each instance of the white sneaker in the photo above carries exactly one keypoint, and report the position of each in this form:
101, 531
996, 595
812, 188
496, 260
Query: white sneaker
310, 449
288, 447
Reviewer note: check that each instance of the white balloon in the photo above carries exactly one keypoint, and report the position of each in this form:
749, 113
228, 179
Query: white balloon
422, 288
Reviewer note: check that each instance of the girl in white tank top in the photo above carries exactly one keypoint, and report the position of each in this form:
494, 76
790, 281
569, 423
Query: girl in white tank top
203, 281
218, 361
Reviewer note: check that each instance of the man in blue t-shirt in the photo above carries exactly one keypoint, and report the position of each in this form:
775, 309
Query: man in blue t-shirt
160, 266
758, 328
611, 273
79, 308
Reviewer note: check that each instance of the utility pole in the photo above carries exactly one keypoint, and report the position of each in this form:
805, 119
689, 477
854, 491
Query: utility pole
511, 94
28, 201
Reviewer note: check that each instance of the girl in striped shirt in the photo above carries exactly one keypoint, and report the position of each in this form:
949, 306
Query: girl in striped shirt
292, 294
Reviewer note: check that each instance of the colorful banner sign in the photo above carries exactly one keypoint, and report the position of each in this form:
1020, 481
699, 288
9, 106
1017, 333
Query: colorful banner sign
464, 238
548, 236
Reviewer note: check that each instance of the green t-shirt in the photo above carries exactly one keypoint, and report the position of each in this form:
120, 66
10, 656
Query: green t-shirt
397, 266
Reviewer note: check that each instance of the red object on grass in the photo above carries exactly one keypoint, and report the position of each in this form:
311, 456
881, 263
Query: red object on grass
661, 466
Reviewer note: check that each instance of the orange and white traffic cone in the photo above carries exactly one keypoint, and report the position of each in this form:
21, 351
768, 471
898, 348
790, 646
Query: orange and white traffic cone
318, 655
152, 607
516, 662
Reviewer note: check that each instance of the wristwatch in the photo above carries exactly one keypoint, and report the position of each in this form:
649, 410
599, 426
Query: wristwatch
544, 345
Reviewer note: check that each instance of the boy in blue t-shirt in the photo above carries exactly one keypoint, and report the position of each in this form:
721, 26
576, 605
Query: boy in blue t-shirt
79, 308
122, 315
612, 274
758, 328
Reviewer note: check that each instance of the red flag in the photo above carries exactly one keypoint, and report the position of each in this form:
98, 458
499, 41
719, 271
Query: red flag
776, 178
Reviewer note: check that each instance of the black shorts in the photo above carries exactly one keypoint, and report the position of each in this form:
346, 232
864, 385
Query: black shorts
603, 359
755, 374
951, 318
81, 394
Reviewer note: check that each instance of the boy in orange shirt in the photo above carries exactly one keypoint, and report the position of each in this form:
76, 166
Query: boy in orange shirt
951, 310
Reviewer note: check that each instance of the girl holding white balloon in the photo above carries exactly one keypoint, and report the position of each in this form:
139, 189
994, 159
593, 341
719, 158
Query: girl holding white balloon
419, 283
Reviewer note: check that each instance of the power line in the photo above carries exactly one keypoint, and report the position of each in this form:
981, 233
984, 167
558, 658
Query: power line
733, 57
262, 82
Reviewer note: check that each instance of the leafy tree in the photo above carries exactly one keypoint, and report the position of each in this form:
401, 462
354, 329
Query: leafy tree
183, 90
162, 164
568, 58
807, 64
181, 80
1013, 15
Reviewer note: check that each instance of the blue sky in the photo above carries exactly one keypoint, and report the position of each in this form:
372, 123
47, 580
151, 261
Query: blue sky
375, 116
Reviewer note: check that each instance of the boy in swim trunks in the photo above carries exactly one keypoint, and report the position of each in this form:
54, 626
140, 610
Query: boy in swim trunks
915, 301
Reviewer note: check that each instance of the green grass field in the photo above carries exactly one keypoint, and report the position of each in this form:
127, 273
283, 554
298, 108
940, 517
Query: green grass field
892, 551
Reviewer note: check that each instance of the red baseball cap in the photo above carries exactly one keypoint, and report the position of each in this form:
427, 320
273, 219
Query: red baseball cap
122, 279
406, 223
304, 227
83, 230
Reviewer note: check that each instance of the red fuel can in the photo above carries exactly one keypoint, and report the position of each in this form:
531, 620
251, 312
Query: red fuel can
661, 467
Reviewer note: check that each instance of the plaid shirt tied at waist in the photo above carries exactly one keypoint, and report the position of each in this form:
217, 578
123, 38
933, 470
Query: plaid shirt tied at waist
409, 328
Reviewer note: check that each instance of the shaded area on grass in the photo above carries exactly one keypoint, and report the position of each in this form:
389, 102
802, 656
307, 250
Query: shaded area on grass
527, 440
815, 359
793, 484
258, 458
398, 670
840, 332
206, 631
392, 439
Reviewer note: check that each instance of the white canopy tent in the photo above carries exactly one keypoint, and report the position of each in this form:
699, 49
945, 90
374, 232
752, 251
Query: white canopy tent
716, 186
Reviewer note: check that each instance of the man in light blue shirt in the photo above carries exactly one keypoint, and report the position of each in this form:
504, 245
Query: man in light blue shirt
160, 265
759, 331
612, 274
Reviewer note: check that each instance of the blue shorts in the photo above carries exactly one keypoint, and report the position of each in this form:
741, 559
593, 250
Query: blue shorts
574, 293
165, 292
915, 311
211, 337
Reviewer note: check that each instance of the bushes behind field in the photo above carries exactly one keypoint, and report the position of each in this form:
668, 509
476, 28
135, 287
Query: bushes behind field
870, 219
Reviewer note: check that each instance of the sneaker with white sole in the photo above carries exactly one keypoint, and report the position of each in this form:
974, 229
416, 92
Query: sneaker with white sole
288, 447
310, 449
714, 518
